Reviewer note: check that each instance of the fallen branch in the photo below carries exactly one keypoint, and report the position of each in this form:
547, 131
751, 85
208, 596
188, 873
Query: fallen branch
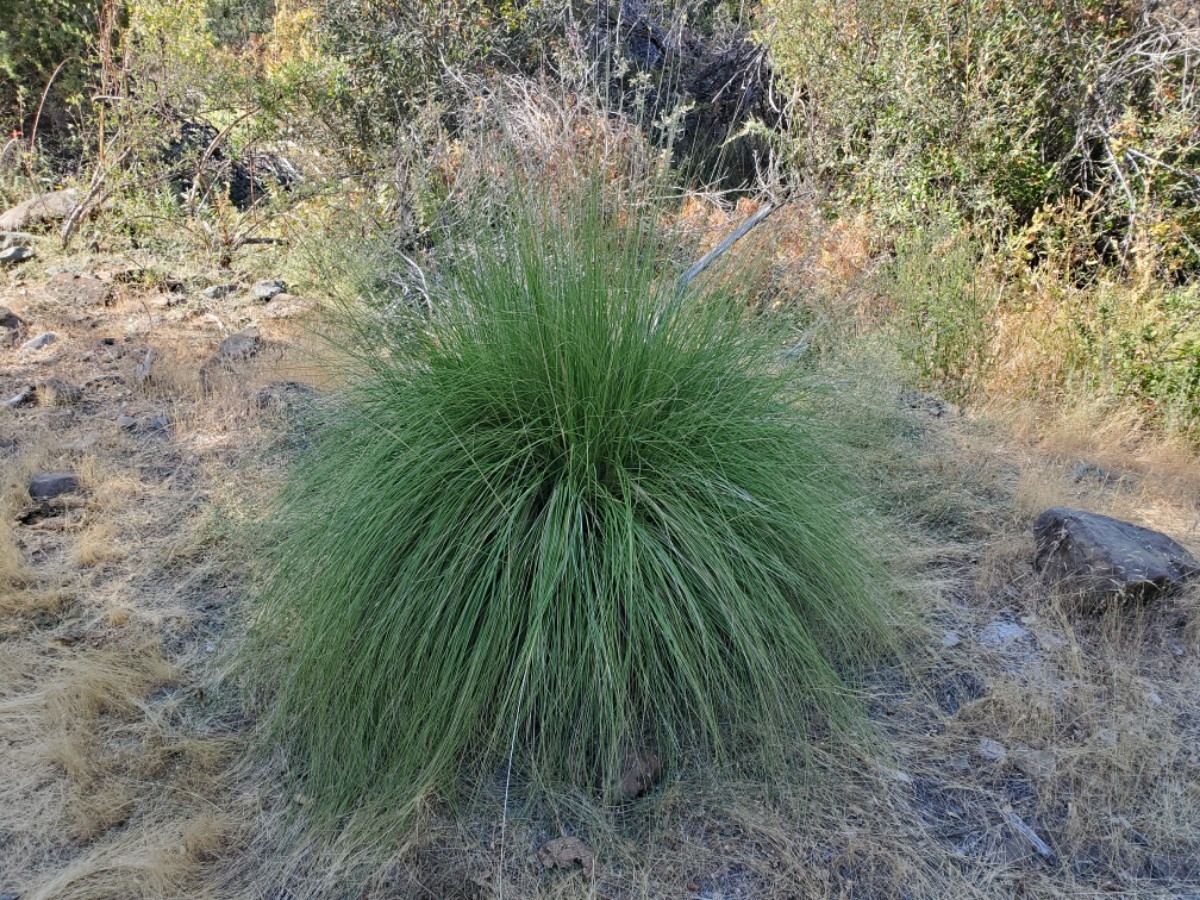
1019, 826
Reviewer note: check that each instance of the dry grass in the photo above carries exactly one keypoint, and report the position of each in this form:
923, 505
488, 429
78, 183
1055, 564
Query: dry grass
125, 773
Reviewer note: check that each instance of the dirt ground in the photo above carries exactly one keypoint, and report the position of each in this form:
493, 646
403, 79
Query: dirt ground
1031, 750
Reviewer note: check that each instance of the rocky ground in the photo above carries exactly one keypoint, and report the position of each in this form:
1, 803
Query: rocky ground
1035, 747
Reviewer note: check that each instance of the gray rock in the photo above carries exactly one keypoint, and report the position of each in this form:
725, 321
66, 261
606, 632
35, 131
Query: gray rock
14, 255
49, 485
218, 291
12, 238
267, 290
1001, 634
42, 340
242, 345
1098, 556
951, 639
993, 750
1034, 763
27, 394
46, 209
126, 423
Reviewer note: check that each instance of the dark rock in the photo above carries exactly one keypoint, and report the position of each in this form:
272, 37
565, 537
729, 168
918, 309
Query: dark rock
242, 345
224, 363
46, 209
218, 291
641, 771
158, 423
198, 159
42, 340
12, 329
49, 485
1097, 555
267, 290
14, 255
83, 290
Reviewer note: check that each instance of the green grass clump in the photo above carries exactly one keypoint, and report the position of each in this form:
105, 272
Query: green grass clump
561, 518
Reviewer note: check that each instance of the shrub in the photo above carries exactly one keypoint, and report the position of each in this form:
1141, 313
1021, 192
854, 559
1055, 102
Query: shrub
38, 42
565, 516
994, 109
947, 310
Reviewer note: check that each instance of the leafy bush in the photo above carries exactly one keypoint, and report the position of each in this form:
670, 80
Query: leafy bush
566, 516
994, 109
35, 40
946, 310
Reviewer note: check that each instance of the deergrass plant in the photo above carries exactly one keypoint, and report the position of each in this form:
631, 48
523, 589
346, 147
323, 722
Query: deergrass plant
566, 515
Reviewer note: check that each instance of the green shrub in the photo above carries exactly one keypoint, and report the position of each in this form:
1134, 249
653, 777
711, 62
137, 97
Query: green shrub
993, 109
560, 518
35, 40
947, 311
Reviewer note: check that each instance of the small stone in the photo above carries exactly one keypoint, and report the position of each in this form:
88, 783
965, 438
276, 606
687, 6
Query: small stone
951, 639
241, 345
49, 485
158, 423
992, 750
1107, 736
1154, 698
14, 255
218, 291
267, 290
126, 423
900, 776
958, 763
40, 341
1001, 634
1034, 763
